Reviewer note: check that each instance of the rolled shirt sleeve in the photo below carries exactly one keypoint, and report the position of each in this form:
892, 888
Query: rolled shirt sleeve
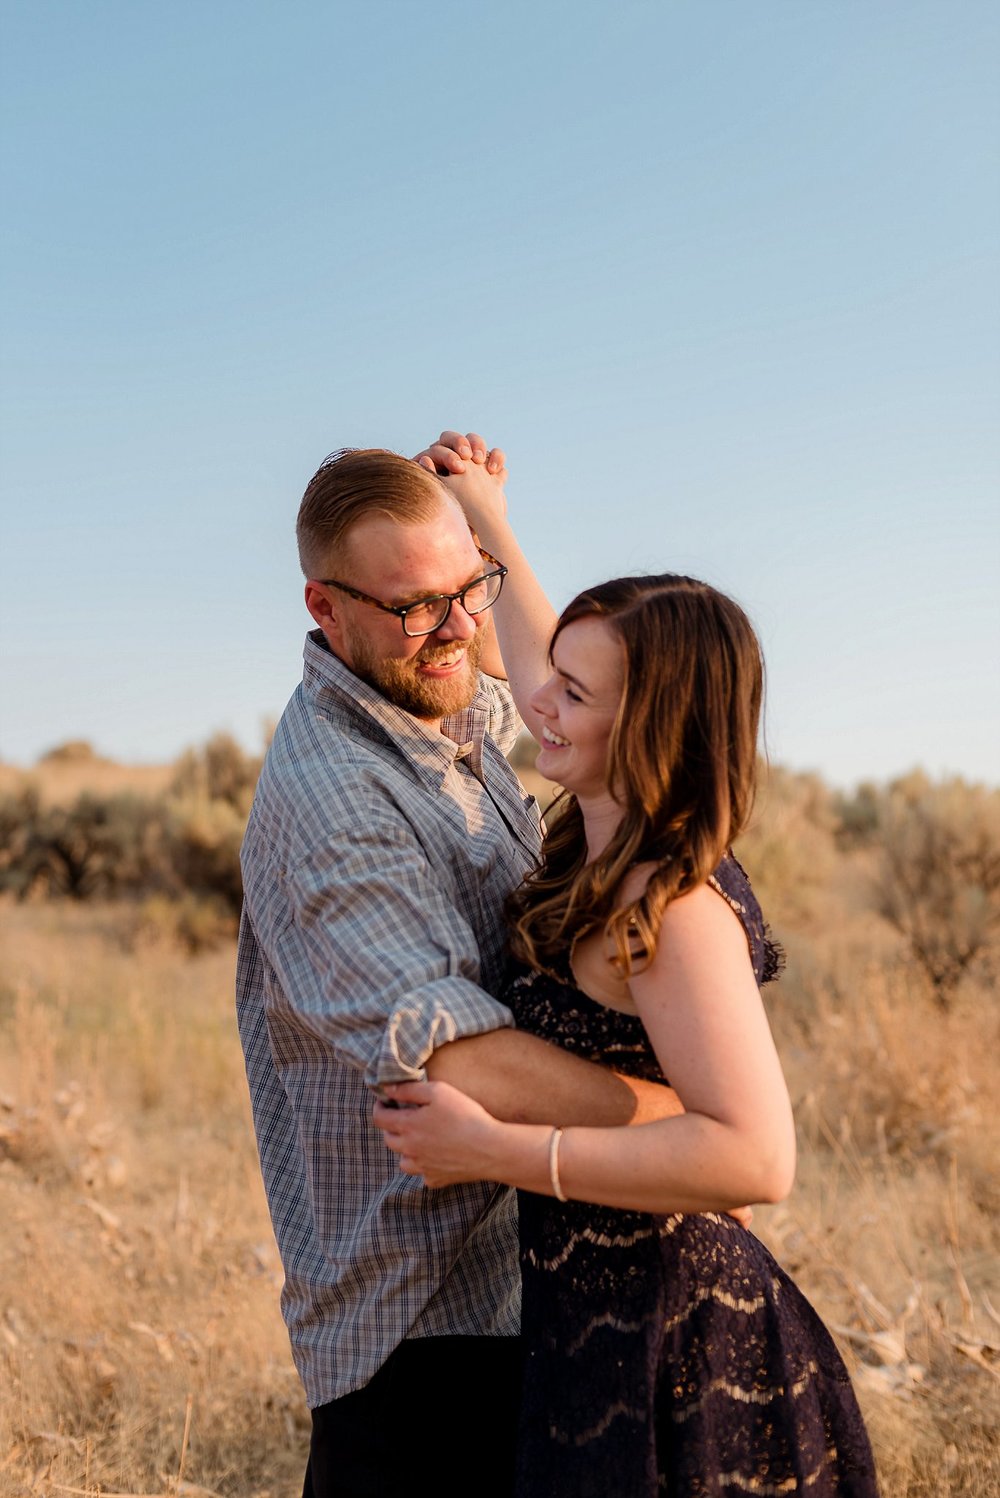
394, 967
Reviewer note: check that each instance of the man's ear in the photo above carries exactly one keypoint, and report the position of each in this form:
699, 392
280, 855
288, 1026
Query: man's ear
320, 603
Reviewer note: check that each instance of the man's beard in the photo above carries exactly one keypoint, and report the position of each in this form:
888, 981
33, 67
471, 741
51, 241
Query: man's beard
400, 682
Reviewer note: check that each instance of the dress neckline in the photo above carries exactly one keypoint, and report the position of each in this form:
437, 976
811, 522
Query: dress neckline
566, 978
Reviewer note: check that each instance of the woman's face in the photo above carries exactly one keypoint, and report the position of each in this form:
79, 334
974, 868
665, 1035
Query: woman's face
578, 705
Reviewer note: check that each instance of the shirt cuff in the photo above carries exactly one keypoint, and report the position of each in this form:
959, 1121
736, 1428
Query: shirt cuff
446, 1010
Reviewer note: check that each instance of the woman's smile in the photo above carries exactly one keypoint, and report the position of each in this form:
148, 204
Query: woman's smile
578, 706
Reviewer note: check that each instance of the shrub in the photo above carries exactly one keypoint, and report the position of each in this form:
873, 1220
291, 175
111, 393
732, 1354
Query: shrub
789, 846
939, 875
18, 815
858, 816
98, 846
219, 771
204, 850
195, 923
73, 752
172, 850
124, 846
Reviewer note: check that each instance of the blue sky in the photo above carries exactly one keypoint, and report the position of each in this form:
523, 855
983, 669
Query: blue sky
722, 277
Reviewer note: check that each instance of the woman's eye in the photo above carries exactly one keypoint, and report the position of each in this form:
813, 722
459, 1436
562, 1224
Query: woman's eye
573, 696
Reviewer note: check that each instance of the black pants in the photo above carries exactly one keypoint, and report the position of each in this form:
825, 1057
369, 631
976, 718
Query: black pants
440, 1416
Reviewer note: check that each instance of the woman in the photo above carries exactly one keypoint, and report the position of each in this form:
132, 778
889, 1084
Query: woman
665, 1347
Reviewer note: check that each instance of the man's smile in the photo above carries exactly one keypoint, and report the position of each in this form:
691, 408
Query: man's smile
445, 663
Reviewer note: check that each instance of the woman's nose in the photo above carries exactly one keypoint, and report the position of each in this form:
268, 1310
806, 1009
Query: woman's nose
541, 699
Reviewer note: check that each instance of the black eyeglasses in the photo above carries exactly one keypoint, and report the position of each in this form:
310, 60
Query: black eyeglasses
429, 614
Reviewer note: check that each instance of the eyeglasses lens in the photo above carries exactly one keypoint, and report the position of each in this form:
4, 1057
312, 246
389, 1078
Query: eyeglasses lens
425, 618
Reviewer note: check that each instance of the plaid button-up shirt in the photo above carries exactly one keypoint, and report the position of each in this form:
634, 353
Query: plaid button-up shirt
376, 861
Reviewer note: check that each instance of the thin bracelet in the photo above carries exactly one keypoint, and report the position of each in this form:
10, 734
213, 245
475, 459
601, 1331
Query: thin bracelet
554, 1180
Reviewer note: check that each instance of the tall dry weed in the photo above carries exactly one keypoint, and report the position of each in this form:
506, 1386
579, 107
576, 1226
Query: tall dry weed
892, 1229
137, 1268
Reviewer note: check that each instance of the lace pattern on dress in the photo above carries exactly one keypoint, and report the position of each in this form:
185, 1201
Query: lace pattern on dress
668, 1353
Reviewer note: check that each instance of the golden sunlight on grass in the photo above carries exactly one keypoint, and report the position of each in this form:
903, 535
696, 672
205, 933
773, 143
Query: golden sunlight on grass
141, 1347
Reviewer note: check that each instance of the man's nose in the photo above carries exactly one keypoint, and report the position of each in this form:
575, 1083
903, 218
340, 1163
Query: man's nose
459, 625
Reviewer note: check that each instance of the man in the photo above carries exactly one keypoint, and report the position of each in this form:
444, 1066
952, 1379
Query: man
386, 832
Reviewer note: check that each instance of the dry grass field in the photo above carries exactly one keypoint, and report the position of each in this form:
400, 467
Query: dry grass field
141, 1348
137, 1268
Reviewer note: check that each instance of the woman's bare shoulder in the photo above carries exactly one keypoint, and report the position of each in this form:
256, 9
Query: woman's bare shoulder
701, 921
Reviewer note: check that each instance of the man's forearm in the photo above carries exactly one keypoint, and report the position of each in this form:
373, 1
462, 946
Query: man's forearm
522, 1079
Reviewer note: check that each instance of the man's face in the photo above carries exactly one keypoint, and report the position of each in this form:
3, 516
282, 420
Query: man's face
431, 675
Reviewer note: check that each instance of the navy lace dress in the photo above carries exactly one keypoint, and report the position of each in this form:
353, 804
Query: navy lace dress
669, 1354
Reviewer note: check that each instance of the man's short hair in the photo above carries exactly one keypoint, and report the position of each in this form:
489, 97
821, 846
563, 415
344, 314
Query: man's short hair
351, 485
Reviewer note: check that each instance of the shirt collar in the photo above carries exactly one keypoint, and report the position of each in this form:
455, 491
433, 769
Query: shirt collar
330, 682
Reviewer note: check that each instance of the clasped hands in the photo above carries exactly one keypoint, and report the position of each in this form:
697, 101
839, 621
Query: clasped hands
474, 473
439, 1133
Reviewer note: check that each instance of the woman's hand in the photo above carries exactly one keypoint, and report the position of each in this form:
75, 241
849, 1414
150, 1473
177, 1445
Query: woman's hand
439, 1133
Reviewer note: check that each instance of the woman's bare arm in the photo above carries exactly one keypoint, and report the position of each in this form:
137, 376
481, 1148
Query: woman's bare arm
523, 616
735, 1143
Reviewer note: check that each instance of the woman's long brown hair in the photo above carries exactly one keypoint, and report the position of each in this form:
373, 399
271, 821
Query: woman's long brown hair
681, 763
